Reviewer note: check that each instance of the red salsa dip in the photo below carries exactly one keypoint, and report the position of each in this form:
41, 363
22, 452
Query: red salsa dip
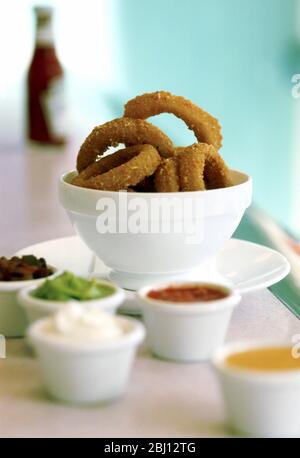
188, 293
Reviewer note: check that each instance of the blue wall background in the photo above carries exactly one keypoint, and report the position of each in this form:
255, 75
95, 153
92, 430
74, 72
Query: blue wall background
235, 59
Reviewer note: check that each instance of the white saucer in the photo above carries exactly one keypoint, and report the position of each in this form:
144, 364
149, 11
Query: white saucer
246, 266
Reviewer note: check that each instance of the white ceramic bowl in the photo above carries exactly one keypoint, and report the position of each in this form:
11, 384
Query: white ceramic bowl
186, 332
13, 322
36, 308
90, 373
170, 242
258, 403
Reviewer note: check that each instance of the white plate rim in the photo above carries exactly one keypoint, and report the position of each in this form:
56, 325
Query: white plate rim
286, 267
271, 280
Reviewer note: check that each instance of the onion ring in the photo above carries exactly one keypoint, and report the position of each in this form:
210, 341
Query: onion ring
107, 163
206, 128
216, 172
166, 177
191, 164
183, 172
132, 172
194, 168
122, 130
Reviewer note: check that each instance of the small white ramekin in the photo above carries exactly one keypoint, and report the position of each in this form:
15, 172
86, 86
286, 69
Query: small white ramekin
259, 403
86, 373
186, 332
36, 308
13, 320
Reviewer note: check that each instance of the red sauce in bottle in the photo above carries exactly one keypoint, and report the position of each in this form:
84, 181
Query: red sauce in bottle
45, 104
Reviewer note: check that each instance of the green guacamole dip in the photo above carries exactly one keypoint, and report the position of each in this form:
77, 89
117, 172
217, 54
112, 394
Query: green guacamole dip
68, 286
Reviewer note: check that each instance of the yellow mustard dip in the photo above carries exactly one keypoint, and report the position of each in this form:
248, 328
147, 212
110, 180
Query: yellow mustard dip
264, 359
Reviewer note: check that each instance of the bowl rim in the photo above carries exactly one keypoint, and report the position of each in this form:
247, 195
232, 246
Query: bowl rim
251, 375
132, 338
189, 308
247, 181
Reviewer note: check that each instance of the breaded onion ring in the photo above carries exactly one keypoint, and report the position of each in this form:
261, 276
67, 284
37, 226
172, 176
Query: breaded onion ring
132, 172
184, 172
122, 130
191, 167
194, 168
206, 128
216, 172
107, 163
166, 177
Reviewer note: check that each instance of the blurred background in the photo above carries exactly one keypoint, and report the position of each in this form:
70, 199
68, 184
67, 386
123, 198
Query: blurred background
235, 58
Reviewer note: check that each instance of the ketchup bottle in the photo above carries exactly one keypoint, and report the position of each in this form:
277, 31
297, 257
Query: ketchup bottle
45, 93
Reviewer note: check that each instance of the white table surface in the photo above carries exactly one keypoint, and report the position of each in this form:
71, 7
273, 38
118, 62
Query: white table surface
164, 399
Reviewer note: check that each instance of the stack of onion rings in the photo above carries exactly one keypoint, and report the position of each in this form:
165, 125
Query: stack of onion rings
150, 162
